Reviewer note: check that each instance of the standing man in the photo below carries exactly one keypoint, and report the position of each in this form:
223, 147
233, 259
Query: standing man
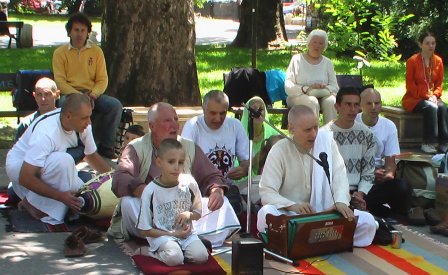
80, 67
44, 175
387, 189
45, 93
222, 139
356, 145
137, 168
293, 183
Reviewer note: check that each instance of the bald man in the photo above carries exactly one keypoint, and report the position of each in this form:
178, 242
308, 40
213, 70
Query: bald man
292, 183
44, 175
45, 93
386, 188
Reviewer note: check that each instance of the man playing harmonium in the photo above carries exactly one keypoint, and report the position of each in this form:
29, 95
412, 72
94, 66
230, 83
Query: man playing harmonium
293, 183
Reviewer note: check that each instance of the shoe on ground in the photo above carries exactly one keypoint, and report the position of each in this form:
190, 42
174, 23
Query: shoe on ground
416, 216
432, 216
441, 229
443, 148
429, 148
108, 153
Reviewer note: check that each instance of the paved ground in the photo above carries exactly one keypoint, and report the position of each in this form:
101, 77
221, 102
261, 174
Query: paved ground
208, 31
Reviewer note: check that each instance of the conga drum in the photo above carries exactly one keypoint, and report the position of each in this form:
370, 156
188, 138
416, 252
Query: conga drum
99, 200
26, 37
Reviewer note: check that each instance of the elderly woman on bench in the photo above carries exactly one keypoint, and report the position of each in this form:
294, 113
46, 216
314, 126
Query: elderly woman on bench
310, 78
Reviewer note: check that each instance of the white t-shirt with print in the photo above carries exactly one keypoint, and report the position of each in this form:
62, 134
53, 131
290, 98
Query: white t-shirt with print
221, 146
161, 205
386, 139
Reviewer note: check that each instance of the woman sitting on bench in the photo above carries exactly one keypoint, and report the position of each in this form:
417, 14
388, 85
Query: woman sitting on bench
424, 77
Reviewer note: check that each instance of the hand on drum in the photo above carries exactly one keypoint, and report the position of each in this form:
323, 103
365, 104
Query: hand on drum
69, 199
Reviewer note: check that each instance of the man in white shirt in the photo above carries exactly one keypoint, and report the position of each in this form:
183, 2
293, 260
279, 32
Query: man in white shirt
387, 189
292, 183
44, 175
222, 139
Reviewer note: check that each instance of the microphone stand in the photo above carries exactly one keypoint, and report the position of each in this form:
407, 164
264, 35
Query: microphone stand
252, 114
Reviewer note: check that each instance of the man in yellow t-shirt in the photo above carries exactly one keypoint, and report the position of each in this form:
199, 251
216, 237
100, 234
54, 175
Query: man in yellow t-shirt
80, 67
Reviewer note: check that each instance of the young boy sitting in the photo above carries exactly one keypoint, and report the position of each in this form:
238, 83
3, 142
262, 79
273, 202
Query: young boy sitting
131, 133
169, 204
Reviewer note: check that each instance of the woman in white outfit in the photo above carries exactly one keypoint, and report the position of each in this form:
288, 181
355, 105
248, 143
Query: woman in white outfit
310, 78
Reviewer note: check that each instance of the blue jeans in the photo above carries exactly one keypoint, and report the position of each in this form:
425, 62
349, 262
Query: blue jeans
105, 118
434, 121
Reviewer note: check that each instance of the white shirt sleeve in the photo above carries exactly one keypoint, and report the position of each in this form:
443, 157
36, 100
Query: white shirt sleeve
88, 141
188, 132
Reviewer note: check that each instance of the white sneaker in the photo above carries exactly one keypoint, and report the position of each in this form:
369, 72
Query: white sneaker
429, 148
443, 147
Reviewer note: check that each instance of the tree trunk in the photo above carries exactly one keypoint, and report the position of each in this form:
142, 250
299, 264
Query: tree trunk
270, 24
149, 46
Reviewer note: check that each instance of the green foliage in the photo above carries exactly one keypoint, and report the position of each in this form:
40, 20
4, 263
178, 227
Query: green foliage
363, 26
429, 15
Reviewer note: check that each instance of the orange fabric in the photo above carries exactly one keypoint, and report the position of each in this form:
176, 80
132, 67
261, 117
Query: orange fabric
416, 87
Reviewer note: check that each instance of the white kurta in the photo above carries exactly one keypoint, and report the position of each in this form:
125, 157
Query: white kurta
287, 180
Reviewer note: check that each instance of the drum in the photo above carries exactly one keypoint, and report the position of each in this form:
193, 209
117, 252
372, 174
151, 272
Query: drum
99, 200
26, 37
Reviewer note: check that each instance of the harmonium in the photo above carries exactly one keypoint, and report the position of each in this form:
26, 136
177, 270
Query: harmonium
303, 236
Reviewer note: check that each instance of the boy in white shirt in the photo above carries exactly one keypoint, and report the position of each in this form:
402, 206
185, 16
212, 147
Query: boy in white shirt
169, 205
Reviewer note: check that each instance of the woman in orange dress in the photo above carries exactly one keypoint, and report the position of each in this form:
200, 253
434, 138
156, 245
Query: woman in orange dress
424, 77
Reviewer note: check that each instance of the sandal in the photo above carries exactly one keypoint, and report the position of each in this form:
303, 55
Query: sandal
74, 247
87, 235
441, 229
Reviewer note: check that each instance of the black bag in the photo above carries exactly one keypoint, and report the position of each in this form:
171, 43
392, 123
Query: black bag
241, 84
23, 98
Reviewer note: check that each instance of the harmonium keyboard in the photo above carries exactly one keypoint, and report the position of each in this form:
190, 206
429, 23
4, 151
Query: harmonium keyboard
303, 236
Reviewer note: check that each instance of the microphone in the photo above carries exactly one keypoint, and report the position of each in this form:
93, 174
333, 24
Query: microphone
252, 112
324, 163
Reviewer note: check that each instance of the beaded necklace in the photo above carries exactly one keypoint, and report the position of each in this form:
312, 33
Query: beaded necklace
427, 80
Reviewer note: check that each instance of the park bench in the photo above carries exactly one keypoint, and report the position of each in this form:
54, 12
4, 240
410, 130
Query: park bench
409, 125
7, 83
184, 113
4, 30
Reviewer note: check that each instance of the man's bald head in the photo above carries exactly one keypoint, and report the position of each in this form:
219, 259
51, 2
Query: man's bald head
366, 93
46, 83
303, 125
74, 102
154, 110
299, 111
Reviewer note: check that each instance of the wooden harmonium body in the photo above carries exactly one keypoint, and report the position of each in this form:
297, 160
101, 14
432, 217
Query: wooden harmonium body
303, 236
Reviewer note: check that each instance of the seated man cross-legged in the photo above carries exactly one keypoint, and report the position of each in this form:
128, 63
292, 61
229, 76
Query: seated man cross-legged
292, 183
43, 174
386, 188
137, 168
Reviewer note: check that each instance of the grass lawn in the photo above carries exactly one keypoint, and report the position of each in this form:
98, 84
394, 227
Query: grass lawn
212, 61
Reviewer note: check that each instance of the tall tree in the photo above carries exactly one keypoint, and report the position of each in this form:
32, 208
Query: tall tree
149, 47
270, 24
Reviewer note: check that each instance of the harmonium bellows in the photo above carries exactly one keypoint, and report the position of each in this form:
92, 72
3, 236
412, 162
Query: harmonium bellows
302, 236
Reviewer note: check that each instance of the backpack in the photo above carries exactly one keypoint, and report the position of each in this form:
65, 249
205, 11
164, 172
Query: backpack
420, 174
22, 97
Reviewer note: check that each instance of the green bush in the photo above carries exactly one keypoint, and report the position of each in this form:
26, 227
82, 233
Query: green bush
361, 26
